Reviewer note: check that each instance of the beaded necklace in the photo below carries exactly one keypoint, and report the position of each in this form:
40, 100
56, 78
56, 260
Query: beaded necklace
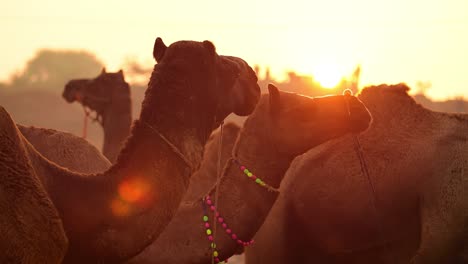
207, 203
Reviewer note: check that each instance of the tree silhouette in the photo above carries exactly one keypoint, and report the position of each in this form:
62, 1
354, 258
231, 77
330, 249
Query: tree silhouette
52, 69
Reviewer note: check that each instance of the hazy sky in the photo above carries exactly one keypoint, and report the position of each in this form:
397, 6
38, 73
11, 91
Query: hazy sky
393, 41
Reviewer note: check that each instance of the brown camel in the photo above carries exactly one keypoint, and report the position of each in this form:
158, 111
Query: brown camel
283, 126
66, 149
328, 213
111, 216
31, 229
109, 96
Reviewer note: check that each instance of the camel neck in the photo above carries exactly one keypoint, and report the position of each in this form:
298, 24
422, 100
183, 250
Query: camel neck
256, 151
115, 214
116, 124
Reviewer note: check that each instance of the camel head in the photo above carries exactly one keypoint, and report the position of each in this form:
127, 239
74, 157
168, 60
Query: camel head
298, 123
214, 86
99, 92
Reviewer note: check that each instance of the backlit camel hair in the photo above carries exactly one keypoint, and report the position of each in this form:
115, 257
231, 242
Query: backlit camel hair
109, 96
111, 216
282, 126
416, 160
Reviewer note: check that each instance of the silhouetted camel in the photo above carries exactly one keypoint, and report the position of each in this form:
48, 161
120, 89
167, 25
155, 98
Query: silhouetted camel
111, 216
327, 211
109, 96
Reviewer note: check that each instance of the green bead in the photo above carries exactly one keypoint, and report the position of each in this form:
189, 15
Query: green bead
213, 245
246, 171
208, 231
258, 180
249, 174
205, 218
262, 183
215, 253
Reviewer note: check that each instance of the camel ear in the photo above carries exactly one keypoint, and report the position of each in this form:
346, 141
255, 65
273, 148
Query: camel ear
275, 100
103, 71
159, 49
120, 73
210, 47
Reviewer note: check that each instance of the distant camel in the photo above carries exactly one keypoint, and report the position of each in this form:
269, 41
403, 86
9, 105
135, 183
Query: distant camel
327, 211
283, 126
109, 96
112, 216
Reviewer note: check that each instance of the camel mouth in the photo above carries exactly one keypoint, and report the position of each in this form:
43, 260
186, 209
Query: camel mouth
251, 99
67, 94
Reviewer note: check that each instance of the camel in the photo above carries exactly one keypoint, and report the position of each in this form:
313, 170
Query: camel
111, 216
266, 150
412, 209
31, 228
109, 96
66, 149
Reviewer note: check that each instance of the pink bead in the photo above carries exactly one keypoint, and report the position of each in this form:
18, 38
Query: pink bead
234, 236
245, 244
207, 225
210, 238
242, 167
251, 241
208, 202
224, 225
253, 177
217, 260
240, 242
229, 231
207, 197
220, 219
212, 208
217, 214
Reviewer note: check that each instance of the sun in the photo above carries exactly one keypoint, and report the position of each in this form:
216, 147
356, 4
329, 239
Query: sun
328, 75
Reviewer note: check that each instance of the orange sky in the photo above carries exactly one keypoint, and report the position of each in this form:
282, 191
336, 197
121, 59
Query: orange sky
394, 41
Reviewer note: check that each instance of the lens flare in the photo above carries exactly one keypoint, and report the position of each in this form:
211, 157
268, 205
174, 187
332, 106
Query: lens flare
132, 193
120, 208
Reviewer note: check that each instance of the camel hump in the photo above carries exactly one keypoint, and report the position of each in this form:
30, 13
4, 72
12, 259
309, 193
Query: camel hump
4, 114
7, 126
66, 149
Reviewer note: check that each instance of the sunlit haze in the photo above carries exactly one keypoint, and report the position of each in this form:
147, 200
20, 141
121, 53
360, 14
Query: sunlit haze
393, 41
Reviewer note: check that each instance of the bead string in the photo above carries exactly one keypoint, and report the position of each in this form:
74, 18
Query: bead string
207, 202
254, 177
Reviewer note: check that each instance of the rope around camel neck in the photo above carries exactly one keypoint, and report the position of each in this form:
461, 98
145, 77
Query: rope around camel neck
365, 172
173, 147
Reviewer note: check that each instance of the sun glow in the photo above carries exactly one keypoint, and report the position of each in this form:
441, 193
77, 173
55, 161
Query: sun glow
328, 75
